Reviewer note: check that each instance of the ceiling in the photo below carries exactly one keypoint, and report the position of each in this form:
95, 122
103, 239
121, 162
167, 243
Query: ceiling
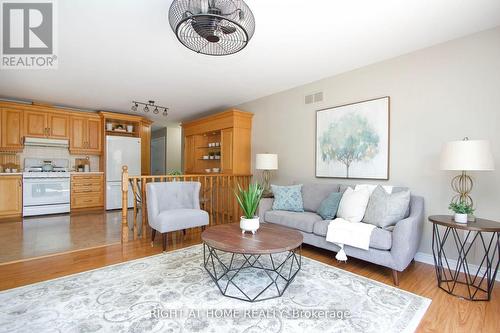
113, 52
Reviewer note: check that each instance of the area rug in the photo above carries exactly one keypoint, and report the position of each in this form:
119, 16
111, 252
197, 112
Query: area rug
172, 292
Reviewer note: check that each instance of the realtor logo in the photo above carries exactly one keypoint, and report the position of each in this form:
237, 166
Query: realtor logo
28, 34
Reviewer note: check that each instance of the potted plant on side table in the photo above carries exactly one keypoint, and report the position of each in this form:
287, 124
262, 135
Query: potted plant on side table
461, 210
248, 201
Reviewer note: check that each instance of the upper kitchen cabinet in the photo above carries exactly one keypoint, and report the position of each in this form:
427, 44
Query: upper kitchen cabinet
220, 143
43, 124
86, 134
11, 137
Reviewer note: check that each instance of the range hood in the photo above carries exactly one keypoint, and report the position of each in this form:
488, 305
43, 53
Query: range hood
41, 142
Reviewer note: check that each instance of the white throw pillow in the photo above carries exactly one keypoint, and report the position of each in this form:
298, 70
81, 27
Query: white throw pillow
353, 204
371, 188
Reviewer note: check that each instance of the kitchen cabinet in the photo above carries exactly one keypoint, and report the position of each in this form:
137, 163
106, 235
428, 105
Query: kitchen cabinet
85, 135
43, 124
87, 191
11, 138
11, 196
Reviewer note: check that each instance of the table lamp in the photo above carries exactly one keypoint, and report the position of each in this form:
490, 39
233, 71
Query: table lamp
466, 155
267, 163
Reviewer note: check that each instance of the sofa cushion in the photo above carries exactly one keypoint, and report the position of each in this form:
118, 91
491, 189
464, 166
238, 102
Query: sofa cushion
328, 208
352, 206
384, 209
288, 198
380, 239
313, 194
303, 221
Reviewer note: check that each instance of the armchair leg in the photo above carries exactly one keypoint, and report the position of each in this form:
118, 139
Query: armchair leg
164, 241
395, 277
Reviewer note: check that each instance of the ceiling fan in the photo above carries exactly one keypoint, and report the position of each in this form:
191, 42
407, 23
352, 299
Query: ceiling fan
213, 27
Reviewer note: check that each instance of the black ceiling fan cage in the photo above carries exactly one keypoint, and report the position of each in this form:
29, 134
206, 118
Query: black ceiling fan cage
212, 27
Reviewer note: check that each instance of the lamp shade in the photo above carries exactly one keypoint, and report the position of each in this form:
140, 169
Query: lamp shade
467, 155
266, 162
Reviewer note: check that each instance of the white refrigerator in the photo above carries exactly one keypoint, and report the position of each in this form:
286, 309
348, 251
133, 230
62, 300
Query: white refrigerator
120, 151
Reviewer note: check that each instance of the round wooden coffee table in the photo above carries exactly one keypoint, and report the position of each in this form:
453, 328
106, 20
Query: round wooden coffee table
252, 267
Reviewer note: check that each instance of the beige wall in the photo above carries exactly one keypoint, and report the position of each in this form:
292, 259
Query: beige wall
438, 94
174, 148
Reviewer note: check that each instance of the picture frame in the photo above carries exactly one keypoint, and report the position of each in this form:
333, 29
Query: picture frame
353, 140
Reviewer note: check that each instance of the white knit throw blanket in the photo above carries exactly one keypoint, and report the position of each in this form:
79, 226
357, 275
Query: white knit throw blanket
343, 232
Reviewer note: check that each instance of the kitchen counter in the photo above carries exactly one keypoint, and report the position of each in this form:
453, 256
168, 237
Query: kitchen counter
87, 173
11, 173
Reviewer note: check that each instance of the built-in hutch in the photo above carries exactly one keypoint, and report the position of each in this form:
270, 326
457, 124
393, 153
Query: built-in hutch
220, 143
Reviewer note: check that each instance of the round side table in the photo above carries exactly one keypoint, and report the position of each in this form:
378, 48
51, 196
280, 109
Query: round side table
472, 281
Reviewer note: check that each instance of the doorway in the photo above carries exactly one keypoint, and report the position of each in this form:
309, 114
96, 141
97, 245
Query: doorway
158, 155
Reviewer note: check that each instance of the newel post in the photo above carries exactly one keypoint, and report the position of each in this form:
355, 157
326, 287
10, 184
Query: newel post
124, 204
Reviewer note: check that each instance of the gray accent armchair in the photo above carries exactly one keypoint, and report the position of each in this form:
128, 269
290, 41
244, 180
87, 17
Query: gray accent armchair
174, 206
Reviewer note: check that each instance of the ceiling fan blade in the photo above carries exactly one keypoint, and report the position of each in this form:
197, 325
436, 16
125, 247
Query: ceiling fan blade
204, 32
227, 29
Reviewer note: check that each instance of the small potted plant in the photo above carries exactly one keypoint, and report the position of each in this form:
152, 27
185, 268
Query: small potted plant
248, 201
461, 210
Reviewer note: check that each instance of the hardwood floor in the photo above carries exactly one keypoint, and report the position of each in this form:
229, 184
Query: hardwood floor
445, 314
41, 236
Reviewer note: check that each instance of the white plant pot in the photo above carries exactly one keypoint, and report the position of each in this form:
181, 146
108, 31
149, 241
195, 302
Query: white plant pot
460, 218
249, 224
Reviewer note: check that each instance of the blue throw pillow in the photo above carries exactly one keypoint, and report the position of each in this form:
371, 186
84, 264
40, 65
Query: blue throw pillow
288, 198
328, 207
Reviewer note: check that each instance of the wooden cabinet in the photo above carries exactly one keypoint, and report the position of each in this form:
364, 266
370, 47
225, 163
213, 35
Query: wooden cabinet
11, 196
145, 148
58, 125
87, 191
189, 154
43, 124
11, 137
85, 135
231, 132
227, 150
35, 124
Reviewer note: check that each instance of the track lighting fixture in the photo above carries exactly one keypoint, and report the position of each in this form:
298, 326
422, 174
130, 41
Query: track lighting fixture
150, 104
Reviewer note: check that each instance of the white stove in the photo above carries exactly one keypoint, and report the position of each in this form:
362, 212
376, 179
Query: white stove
46, 192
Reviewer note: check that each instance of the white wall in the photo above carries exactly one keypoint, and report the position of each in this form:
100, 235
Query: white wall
438, 94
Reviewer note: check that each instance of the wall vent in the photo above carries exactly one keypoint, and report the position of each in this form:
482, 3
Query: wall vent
313, 98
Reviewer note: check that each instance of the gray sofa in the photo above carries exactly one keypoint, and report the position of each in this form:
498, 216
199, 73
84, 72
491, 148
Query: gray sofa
394, 248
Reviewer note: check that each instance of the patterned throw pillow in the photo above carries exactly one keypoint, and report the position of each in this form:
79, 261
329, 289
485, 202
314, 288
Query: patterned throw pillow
288, 198
328, 207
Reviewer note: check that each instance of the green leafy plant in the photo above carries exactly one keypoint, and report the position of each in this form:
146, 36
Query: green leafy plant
461, 208
249, 199
175, 173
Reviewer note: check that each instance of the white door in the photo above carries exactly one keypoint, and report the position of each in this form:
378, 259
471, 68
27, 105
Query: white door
122, 151
158, 156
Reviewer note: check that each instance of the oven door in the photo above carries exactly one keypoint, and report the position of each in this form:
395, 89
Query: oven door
45, 191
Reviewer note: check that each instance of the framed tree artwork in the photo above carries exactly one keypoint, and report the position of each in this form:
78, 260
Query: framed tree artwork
352, 140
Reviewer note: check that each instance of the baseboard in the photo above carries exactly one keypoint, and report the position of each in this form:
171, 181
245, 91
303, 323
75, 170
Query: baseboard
429, 259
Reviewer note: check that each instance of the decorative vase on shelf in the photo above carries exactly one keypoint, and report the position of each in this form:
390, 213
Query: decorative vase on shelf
251, 225
461, 218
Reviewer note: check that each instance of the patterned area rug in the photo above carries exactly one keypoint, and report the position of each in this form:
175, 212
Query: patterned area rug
173, 293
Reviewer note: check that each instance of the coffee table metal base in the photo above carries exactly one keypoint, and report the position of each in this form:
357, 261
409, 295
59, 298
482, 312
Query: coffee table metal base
279, 272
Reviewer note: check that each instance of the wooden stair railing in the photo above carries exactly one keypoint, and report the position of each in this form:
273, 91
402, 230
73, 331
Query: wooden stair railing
216, 197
